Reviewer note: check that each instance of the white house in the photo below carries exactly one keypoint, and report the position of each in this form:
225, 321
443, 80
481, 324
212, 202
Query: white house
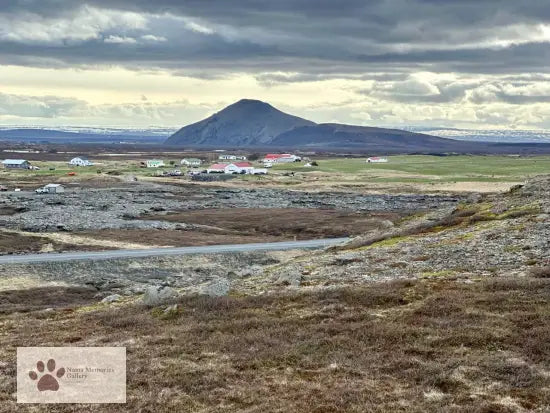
231, 168
191, 162
376, 159
80, 161
232, 158
51, 189
155, 163
239, 168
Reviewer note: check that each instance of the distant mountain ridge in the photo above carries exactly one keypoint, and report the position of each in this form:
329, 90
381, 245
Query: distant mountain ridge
252, 123
82, 135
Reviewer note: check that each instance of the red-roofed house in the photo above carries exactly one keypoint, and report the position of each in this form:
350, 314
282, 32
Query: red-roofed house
376, 159
218, 168
280, 158
231, 168
239, 167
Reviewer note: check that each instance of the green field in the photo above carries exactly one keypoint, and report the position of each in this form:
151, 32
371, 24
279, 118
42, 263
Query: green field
422, 168
407, 169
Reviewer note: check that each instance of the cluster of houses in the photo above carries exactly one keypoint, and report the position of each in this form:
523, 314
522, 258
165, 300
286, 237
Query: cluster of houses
24, 164
240, 166
158, 163
229, 163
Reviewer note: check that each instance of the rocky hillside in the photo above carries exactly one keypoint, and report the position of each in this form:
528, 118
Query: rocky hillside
444, 311
486, 236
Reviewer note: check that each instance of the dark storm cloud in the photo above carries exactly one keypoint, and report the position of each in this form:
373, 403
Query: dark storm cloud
313, 38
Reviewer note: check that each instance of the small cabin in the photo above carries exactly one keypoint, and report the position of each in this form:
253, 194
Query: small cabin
155, 163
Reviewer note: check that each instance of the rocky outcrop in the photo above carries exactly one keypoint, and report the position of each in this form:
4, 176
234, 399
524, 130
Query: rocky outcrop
158, 295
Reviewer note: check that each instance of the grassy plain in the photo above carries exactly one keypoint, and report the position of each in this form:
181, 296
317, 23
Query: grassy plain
405, 173
424, 168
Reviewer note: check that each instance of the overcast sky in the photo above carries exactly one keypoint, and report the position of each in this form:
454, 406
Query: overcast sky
455, 63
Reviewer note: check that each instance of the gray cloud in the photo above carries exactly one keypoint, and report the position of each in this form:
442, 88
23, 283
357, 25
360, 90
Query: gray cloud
495, 52
21, 107
314, 38
38, 107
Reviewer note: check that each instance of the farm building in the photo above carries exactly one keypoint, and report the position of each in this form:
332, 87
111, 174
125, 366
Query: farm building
376, 159
155, 163
281, 158
232, 158
16, 164
231, 168
239, 167
191, 162
217, 168
80, 161
51, 189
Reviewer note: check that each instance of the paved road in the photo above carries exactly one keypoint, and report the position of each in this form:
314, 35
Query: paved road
155, 252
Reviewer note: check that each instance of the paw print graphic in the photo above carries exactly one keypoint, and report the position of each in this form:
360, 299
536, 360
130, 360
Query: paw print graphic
47, 381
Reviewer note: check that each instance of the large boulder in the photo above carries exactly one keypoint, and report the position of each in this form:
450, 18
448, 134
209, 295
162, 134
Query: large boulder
291, 278
157, 295
217, 288
112, 298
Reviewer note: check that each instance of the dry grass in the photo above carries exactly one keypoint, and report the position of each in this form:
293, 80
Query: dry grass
173, 238
304, 223
19, 243
541, 272
420, 346
40, 298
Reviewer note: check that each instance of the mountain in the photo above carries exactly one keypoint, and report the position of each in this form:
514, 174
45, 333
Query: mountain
253, 124
337, 136
244, 123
